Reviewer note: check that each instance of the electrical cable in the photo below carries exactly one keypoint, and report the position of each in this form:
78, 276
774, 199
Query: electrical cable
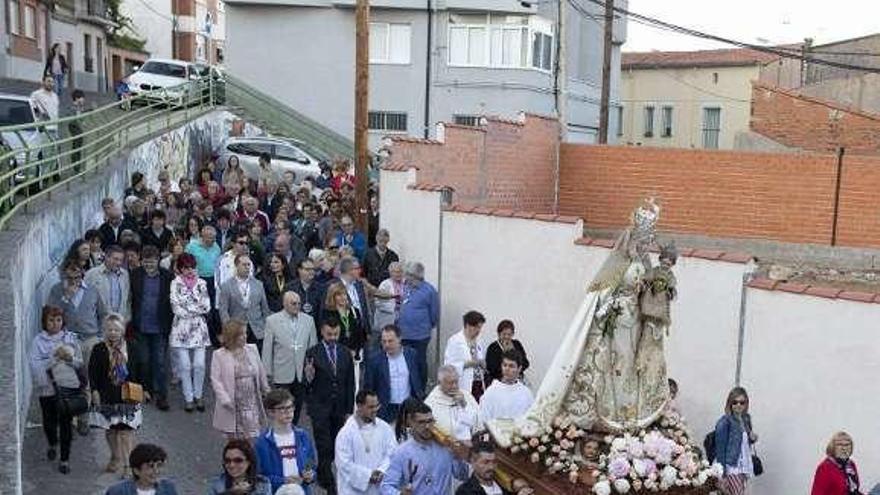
663, 25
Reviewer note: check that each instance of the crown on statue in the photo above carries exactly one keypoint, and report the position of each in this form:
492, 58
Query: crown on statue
645, 219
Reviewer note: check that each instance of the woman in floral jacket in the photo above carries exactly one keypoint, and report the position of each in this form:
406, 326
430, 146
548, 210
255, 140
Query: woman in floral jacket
189, 330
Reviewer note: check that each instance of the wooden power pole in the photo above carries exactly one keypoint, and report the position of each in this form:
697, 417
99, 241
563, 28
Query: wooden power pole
361, 111
606, 72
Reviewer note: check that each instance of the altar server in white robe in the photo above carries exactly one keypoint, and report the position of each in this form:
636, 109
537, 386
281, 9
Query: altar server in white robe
363, 448
508, 398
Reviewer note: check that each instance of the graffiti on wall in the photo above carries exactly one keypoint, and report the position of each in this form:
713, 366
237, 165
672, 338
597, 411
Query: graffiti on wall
51, 231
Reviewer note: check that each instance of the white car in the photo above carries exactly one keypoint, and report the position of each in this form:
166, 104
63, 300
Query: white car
17, 110
167, 79
287, 154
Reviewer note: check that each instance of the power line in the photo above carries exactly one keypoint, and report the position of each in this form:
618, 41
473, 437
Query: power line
660, 24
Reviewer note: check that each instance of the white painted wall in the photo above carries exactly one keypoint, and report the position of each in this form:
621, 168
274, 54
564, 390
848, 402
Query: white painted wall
152, 20
809, 363
811, 367
413, 219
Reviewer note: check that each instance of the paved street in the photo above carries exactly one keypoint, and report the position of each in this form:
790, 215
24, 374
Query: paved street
193, 447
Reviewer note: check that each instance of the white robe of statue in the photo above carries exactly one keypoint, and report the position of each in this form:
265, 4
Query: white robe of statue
609, 373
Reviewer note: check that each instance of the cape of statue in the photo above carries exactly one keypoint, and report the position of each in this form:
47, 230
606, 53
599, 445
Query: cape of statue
609, 373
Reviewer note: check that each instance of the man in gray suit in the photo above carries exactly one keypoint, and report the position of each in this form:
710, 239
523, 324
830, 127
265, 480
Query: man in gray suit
112, 283
289, 334
242, 297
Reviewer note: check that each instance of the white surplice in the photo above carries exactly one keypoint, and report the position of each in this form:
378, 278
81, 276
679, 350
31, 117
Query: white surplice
508, 401
362, 448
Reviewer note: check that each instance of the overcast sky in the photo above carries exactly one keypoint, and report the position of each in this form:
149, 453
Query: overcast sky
751, 21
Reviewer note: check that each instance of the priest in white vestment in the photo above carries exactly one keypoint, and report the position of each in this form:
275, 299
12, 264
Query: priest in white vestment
456, 412
508, 398
363, 448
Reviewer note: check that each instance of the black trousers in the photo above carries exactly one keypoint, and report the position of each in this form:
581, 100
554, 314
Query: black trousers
325, 425
55, 423
213, 317
298, 391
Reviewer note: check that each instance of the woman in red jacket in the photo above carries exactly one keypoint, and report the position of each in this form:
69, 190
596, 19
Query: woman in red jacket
837, 474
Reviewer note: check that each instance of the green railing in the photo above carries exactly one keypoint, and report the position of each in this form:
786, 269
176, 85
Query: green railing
276, 117
38, 158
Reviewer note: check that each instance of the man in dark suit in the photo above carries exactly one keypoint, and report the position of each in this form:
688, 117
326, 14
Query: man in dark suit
330, 392
151, 321
157, 233
393, 374
113, 227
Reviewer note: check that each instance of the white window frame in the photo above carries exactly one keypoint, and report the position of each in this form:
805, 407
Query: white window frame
15, 17
704, 130
527, 31
667, 110
384, 129
620, 111
30, 25
470, 120
648, 123
386, 58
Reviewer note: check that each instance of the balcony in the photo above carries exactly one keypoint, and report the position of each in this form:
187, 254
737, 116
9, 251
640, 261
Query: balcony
93, 11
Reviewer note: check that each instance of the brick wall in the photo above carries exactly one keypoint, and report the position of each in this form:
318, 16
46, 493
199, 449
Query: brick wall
775, 196
811, 123
503, 164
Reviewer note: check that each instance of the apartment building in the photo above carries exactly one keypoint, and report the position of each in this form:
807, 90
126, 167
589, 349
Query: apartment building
430, 61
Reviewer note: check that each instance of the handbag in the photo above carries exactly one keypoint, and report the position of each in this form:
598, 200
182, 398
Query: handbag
69, 401
132, 392
757, 463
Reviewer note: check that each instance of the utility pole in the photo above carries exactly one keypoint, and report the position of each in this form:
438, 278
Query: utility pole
361, 110
561, 70
606, 72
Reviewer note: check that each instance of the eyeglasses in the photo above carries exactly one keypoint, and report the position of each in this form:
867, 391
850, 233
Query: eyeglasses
234, 460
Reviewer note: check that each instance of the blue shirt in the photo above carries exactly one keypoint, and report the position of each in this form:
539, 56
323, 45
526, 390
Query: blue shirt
358, 243
419, 311
150, 305
206, 257
115, 290
434, 468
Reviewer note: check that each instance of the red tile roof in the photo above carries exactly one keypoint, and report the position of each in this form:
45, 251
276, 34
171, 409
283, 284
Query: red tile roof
702, 58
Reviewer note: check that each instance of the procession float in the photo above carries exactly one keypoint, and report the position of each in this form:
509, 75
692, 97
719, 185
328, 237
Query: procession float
602, 421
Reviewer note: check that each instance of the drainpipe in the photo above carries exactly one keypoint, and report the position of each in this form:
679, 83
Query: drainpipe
840, 152
746, 279
445, 201
428, 62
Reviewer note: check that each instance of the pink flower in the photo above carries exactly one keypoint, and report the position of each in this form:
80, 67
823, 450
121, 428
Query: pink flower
618, 467
644, 467
534, 442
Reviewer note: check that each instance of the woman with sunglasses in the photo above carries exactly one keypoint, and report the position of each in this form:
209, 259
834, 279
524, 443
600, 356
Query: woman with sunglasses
240, 472
734, 438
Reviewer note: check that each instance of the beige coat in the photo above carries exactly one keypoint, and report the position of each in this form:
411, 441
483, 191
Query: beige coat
223, 382
285, 344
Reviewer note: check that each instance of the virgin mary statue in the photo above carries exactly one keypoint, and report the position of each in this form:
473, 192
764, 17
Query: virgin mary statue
609, 373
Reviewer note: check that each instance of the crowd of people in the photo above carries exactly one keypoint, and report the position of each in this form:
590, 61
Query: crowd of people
302, 313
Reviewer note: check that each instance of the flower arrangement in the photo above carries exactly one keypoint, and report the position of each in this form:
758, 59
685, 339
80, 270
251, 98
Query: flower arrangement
655, 459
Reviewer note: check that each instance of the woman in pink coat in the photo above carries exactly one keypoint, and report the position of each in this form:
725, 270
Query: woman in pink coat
239, 382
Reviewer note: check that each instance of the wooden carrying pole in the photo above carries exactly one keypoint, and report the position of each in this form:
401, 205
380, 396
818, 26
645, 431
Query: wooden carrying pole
361, 111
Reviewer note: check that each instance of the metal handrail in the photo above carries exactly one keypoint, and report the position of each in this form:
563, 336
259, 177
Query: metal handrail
90, 140
70, 147
279, 117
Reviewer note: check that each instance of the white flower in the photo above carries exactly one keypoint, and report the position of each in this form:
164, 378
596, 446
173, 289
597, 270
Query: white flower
618, 445
621, 485
618, 467
514, 449
644, 467
542, 448
668, 475
701, 478
535, 457
602, 488
717, 470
